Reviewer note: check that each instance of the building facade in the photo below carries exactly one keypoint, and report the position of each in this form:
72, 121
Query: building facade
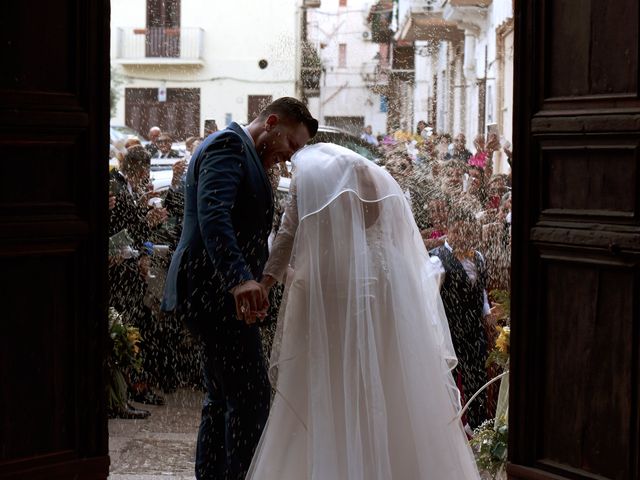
347, 96
463, 67
177, 63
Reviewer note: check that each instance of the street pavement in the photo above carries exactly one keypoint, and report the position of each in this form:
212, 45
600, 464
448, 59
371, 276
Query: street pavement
161, 447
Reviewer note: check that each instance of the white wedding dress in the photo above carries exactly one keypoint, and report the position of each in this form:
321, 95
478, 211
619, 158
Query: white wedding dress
362, 358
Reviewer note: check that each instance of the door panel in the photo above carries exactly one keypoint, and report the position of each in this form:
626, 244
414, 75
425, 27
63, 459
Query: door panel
574, 411
178, 116
585, 176
54, 116
606, 62
580, 361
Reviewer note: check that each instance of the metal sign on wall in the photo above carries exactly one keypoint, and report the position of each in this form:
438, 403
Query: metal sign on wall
162, 94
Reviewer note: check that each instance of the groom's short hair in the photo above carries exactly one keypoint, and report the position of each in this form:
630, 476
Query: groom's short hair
293, 109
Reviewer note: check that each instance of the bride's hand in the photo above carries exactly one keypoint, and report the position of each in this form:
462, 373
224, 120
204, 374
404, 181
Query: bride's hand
267, 282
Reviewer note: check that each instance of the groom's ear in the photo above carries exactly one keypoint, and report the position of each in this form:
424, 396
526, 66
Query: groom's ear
271, 121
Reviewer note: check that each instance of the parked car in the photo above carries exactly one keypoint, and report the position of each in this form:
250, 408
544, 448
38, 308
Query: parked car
161, 173
161, 179
118, 135
346, 139
123, 133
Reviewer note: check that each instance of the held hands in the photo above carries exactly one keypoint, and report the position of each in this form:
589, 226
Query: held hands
267, 282
252, 301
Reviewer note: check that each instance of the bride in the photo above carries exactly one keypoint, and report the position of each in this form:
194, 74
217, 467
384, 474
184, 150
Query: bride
363, 354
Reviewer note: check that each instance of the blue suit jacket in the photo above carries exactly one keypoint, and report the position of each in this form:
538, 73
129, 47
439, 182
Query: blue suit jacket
228, 212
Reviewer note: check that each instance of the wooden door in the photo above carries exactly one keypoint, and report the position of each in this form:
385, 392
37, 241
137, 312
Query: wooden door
54, 139
178, 116
574, 410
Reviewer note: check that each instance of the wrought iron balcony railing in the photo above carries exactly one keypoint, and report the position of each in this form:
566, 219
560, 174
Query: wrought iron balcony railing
159, 45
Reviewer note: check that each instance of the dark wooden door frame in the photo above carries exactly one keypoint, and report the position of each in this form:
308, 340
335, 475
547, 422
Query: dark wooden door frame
54, 135
574, 411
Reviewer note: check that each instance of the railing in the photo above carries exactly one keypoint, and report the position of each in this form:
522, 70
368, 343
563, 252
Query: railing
466, 3
375, 73
159, 45
425, 6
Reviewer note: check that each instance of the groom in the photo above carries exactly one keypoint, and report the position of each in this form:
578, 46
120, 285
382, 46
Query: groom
213, 278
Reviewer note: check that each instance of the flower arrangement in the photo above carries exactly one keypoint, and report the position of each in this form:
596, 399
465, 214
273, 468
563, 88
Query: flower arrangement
501, 299
124, 357
489, 443
489, 440
500, 354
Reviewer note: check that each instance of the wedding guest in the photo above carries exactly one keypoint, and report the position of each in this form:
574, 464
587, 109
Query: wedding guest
152, 146
164, 148
465, 302
442, 146
459, 149
128, 278
367, 136
131, 141
436, 234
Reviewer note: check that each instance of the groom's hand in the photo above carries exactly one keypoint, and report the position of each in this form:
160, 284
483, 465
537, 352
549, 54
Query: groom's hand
250, 298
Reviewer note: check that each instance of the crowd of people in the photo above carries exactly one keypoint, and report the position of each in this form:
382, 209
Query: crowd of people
144, 230
462, 210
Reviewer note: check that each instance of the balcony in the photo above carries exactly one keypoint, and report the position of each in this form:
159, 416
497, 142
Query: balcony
424, 21
467, 3
375, 75
470, 15
380, 19
159, 46
424, 6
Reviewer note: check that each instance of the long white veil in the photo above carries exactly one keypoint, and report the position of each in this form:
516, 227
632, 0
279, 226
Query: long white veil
363, 352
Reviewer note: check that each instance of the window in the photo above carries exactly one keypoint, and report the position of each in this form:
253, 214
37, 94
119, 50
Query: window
384, 104
342, 55
163, 28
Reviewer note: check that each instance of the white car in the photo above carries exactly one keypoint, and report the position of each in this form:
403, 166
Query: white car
283, 184
161, 180
121, 133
